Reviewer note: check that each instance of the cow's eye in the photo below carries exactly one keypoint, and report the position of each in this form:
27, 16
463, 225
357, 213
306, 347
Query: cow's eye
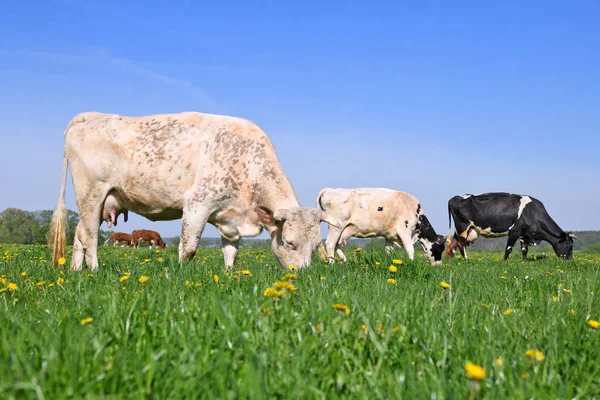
289, 244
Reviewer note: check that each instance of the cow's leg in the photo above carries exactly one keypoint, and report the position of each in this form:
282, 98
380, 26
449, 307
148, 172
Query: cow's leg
346, 234
407, 242
86, 242
512, 240
195, 216
230, 251
331, 242
524, 250
90, 207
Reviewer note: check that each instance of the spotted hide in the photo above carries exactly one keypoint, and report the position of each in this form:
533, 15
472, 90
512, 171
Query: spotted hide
199, 167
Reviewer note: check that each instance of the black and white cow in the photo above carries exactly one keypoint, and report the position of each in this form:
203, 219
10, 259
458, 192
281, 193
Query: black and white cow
504, 214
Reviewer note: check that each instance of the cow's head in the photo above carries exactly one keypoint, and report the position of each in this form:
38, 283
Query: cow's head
433, 244
295, 233
433, 249
564, 247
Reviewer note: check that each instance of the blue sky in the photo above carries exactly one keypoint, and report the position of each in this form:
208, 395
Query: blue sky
432, 98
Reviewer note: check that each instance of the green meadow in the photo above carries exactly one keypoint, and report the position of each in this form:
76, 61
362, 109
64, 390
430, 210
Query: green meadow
143, 326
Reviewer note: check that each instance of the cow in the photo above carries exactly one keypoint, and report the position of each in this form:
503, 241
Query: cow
375, 212
503, 214
120, 237
147, 236
202, 168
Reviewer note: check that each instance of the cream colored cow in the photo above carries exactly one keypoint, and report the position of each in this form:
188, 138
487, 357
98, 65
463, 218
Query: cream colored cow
372, 212
198, 167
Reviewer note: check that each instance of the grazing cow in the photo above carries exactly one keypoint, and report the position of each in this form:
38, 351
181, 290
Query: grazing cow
503, 214
198, 167
120, 237
370, 212
147, 236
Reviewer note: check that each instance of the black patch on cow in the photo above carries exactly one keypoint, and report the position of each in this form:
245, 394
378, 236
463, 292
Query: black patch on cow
418, 208
379, 208
406, 224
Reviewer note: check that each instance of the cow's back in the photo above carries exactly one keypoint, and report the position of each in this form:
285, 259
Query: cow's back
369, 208
153, 160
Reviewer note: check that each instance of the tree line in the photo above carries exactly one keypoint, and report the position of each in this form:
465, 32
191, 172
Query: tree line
31, 227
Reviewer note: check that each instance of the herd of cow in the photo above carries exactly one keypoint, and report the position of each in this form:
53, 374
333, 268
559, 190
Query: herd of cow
137, 236
223, 170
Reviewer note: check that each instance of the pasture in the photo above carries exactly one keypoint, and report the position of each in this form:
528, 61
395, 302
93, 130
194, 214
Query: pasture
144, 326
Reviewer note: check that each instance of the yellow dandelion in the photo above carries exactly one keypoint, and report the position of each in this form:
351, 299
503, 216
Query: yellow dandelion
525, 375
397, 262
593, 324
499, 362
124, 278
292, 268
445, 285
42, 283
12, 287
157, 251
270, 292
393, 268
554, 298
16, 299
567, 291
341, 307
395, 330
3, 290
50, 284
377, 263
159, 259
23, 273
508, 311
364, 328
60, 281
266, 311
484, 305
322, 278
572, 312
188, 283
87, 321
246, 272
62, 261
3, 280
216, 278
474, 371
392, 281
289, 277
284, 285
143, 279
358, 250
535, 354
502, 277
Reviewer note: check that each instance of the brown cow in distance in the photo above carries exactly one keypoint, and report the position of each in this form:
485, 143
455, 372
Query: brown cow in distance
151, 237
120, 237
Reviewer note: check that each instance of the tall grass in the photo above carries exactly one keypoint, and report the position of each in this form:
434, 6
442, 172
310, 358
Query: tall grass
180, 334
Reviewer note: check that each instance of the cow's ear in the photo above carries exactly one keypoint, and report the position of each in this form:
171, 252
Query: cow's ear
571, 235
265, 215
324, 217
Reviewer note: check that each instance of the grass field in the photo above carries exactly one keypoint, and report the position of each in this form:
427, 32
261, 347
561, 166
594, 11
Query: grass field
196, 331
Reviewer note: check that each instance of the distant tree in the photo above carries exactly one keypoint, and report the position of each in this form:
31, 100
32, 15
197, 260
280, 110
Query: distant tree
25, 227
16, 226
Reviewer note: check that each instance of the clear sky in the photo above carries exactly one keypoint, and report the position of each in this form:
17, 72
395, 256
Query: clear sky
432, 98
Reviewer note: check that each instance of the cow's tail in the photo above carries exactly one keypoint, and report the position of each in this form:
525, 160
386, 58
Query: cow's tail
449, 223
57, 235
319, 204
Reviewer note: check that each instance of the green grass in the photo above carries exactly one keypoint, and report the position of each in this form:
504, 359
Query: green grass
166, 338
